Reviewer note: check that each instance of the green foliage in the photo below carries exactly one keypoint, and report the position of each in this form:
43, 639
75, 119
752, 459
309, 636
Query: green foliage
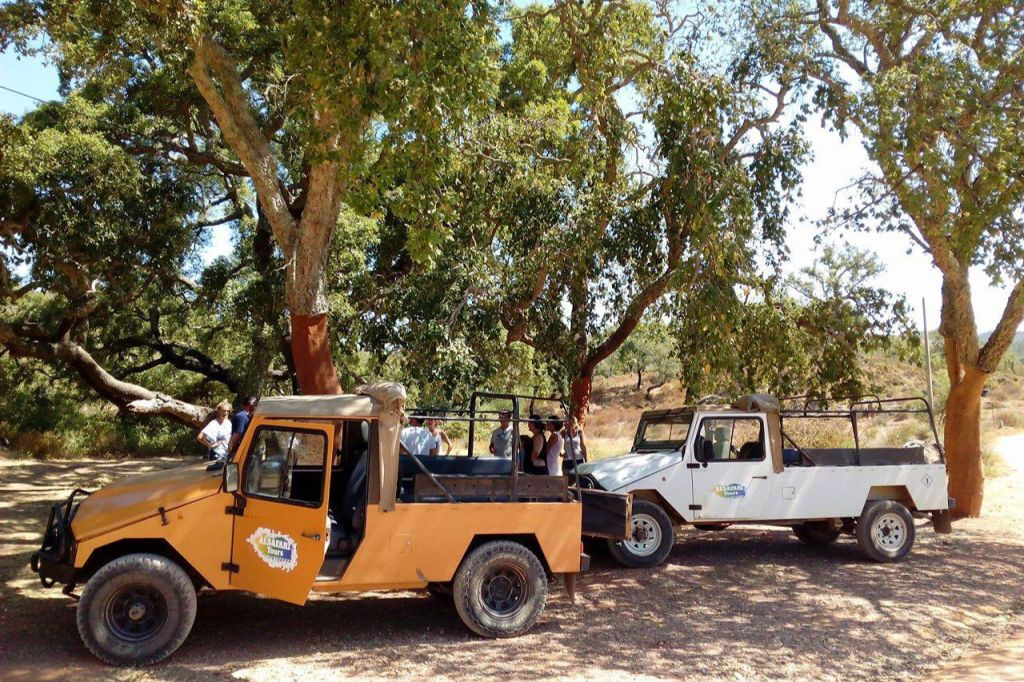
808, 334
648, 350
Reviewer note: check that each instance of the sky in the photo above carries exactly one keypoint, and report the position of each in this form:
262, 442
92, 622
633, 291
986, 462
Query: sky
836, 163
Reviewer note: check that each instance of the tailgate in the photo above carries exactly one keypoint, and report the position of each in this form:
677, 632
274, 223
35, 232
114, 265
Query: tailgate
605, 514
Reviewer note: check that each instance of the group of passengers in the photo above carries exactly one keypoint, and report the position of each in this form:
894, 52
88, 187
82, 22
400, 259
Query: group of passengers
551, 447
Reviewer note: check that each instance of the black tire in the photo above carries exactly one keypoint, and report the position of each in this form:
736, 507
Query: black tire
816, 533
500, 589
653, 537
885, 531
136, 610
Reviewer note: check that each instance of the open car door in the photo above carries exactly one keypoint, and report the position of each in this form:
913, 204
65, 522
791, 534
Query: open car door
280, 533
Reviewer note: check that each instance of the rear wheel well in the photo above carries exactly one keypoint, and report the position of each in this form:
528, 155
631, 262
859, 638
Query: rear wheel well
104, 555
897, 493
654, 497
528, 540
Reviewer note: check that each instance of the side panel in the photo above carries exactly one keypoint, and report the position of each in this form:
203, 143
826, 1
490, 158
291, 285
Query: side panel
420, 543
674, 486
200, 532
827, 492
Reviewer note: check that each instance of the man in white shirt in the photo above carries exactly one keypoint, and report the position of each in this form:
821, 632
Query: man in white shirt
216, 435
417, 439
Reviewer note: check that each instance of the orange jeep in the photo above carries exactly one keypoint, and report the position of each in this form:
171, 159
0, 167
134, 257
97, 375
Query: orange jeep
317, 497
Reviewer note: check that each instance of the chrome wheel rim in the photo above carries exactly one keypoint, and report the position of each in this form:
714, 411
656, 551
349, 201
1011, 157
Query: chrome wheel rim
645, 536
890, 532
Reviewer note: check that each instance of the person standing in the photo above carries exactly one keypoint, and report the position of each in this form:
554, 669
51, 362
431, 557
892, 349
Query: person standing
216, 435
533, 447
240, 422
575, 445
553, 448
417, 439
501, 437
440, 437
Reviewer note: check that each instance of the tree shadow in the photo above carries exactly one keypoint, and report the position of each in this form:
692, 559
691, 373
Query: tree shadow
743, 603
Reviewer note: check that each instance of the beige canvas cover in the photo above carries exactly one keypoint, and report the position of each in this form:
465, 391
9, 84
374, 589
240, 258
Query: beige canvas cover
770, 406
391, 398
383, 401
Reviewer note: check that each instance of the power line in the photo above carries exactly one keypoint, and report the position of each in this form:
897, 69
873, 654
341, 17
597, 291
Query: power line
23, 94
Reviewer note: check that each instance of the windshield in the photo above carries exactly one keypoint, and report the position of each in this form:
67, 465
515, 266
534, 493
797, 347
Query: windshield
663, 433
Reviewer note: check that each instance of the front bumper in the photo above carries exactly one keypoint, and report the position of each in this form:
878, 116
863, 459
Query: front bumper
55, 560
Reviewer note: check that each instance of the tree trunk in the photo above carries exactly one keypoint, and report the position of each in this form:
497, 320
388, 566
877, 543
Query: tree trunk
311, 353
962, 435
639, 379
579, 401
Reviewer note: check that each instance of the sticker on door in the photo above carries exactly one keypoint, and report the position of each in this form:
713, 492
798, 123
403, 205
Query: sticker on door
730, 490
276, 550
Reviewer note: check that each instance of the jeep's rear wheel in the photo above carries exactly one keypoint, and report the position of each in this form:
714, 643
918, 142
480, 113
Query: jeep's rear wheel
500, 589
651, 538
816, 533
136, 610
885, 531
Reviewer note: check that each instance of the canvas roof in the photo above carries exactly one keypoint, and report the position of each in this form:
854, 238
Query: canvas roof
385, 402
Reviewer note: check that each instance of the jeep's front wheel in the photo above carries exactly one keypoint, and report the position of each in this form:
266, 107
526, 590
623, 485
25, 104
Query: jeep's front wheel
136, 610
651, 537
500, 589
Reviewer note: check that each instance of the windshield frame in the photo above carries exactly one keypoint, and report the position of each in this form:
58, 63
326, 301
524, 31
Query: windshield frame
640, 445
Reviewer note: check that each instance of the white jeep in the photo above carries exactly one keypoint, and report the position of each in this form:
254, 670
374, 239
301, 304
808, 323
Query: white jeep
717, 466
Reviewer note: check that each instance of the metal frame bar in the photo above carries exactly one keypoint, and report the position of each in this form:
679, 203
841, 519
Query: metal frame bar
424, 413
862, 405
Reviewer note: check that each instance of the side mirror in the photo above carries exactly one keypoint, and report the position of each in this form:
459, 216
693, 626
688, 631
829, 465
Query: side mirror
231, 478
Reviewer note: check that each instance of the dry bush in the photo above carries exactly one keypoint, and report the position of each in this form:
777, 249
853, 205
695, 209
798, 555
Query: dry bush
38, 444
818, 433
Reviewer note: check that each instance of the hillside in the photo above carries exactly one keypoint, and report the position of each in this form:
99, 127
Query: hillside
1018, 342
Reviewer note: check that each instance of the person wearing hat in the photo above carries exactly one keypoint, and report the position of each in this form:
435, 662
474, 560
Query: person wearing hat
501, 437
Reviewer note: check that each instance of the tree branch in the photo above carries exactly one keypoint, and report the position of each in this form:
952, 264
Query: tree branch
1003, 335
233, 111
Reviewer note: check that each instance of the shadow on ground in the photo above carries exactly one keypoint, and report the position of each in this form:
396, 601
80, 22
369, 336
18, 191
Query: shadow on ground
750, 603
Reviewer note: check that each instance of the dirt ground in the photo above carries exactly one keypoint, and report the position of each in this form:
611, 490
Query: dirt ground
738, 604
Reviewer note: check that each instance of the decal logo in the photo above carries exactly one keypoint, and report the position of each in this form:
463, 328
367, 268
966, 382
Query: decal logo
927, 480
277, 550
730, 490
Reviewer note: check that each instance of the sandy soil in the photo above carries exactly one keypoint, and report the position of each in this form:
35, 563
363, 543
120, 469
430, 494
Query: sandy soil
740, 604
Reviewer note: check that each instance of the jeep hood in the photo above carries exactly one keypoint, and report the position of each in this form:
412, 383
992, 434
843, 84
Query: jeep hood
132, 499
613, 474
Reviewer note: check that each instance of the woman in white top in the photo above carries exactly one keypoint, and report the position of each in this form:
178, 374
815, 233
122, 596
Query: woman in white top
215, 435
553, 451
575, 444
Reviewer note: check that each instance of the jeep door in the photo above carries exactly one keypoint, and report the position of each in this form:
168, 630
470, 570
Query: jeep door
731, 472
281, 508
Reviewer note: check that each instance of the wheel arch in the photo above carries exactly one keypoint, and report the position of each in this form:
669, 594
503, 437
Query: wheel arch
528, 540
653, 496
102, 556
896, 493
